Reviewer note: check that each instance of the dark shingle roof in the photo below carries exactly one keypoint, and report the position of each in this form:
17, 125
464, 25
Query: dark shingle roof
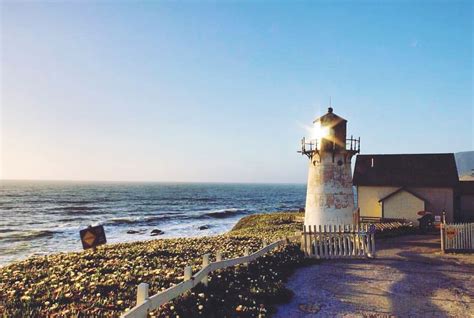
405, 170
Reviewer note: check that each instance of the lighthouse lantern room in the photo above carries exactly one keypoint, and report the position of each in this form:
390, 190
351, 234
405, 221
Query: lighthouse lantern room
329, 194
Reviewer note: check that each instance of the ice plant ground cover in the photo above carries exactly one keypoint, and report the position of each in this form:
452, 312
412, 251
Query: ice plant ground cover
103, 283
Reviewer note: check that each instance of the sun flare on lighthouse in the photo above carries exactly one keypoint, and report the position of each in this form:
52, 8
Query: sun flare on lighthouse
318, 132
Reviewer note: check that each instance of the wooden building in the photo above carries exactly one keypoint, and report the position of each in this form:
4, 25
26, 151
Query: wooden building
401, 185
465, 200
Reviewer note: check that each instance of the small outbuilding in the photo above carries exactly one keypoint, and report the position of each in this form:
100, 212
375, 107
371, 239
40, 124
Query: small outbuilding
401, 185
465, 200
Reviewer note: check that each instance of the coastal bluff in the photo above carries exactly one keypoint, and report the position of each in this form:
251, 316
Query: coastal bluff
103, 283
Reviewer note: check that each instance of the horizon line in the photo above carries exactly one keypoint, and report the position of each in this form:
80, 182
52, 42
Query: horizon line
149, 181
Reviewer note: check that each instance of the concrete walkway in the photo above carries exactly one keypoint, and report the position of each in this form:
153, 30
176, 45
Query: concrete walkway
409, 278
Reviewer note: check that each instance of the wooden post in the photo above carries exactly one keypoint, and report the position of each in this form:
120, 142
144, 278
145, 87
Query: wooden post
205, 262
188, 273
309, 250
344, 241
331, 242
303, 241
356, 240
325, 243
455, 236
472, 235
314, 245
350, 246
142, 293
320, 242
218, 256
372, 239
339, 240
364, 240
246, 253
442, 230
317, 253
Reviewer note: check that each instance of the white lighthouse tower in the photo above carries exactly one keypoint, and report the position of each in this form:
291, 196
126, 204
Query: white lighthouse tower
329, 196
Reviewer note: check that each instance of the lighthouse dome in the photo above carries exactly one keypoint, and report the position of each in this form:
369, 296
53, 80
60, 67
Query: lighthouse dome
336, 127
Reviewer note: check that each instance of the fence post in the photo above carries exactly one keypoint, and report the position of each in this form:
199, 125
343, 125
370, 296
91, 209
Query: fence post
331, 241
364, 239
344, 241
372, 239
349, 241
356, 240
339, 240
325, 244
142, 293
188, 273
246, 253
308, 243
317, 252
320, 241
303, 241
442, 230
218, 256
205, 262
472, 235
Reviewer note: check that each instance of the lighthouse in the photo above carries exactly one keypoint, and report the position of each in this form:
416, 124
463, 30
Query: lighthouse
329, 194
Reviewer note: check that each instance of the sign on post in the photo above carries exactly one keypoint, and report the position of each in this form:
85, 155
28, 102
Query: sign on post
450, 233
93, 236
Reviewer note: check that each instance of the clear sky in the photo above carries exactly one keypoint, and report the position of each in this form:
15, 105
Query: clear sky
221, 91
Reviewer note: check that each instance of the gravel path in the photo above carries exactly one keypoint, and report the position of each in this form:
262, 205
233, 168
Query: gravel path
409, 278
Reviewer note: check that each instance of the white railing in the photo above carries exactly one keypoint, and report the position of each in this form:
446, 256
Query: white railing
338, 241
146, 303
457, 237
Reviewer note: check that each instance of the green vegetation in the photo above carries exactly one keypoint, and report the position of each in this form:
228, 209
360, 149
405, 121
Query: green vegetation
272, 225
103, 283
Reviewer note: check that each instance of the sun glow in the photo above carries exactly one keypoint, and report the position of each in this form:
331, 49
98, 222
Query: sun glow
318, 132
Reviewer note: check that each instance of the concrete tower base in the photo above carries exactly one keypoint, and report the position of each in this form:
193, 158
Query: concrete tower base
330, 196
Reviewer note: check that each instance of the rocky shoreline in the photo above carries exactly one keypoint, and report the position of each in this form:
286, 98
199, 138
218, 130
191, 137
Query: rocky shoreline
103, 283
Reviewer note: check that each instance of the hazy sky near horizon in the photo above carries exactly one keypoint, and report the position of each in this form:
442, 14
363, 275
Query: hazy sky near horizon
210, 91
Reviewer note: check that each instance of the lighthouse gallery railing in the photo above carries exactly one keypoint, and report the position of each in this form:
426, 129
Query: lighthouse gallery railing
310, 146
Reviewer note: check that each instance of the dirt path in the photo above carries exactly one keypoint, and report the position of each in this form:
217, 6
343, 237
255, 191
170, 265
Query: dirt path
409, 278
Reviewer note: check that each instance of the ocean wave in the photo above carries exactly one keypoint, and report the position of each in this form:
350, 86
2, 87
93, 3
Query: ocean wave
222, 214
123, 220
75, 208
7, 230
26, 235
77, 201
139, 220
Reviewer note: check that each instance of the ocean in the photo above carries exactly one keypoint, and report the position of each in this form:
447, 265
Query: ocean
43, 217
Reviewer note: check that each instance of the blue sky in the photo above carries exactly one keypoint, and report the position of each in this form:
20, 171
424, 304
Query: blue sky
221, 91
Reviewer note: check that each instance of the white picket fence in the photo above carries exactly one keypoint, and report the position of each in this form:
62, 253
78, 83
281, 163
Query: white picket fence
457, 237
338, 241
146, 303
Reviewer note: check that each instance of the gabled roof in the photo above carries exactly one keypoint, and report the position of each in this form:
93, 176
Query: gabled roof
406, 170
402, 189
329, 117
